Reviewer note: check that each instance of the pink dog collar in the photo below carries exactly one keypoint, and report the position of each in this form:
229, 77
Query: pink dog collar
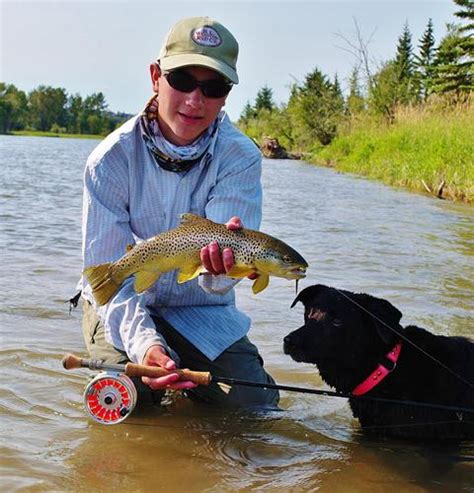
379, 373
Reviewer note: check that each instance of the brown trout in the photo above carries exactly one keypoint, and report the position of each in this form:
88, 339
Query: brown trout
179, 248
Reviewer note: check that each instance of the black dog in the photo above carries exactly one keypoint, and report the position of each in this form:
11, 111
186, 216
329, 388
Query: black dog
347, 336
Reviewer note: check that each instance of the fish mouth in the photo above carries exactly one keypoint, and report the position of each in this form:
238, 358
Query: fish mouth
298, 273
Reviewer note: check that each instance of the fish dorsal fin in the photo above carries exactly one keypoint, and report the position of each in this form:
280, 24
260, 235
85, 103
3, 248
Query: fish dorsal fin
145, 279
188, 218
260, 283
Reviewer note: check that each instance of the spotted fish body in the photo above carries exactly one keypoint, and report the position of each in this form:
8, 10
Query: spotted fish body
179, 248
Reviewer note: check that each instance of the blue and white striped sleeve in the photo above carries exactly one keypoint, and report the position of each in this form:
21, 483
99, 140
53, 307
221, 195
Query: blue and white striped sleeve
106, 232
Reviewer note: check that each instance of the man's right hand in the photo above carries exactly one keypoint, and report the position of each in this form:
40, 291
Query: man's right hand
157, 356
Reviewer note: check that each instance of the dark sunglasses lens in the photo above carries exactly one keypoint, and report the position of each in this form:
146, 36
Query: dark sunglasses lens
215, 88
181, 81
184, 82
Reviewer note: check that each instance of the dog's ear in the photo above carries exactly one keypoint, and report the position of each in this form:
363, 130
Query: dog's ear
384, 315
308, 294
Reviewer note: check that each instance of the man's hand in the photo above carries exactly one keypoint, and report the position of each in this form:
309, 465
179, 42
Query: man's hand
216, 262
156, 356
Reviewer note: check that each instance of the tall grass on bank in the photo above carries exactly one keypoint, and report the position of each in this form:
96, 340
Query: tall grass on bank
427, 148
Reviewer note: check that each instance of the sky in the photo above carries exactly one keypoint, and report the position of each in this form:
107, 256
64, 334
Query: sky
90, 46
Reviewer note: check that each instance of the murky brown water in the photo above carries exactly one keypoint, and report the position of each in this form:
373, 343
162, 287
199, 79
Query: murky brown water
359, 235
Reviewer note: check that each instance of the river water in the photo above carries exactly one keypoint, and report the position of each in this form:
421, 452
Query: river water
360, 235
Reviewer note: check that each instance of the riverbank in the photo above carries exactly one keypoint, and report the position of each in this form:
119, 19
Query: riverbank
426, 149
35, 133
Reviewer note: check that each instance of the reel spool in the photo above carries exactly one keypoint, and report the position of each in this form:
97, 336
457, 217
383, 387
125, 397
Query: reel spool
110, 397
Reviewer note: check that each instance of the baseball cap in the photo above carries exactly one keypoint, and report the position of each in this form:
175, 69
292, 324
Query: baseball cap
200, 41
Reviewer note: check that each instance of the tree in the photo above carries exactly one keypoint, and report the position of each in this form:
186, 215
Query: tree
454, 61
452, 68
13, 108
264, 99
248, 113
47, 106
385, 91
317, 107
466, 12
466, 31
404, 56
424, 61
355, 100
404, 65
74, 111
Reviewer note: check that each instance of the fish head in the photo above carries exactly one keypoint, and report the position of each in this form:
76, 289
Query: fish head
280, 260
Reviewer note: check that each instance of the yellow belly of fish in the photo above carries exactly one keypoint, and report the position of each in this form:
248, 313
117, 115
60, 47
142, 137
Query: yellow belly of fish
189, 266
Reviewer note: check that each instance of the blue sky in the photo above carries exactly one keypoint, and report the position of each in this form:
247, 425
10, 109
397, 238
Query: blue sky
91, 46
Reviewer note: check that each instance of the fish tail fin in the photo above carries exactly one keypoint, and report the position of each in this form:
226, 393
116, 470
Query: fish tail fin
101, 281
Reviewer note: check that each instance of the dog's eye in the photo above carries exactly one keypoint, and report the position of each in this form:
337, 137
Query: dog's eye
337, 322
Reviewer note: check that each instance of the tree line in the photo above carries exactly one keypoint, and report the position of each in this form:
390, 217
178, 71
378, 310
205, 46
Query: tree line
317, 108
52, 109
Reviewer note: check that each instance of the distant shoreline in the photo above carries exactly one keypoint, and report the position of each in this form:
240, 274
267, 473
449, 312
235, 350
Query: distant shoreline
34, 133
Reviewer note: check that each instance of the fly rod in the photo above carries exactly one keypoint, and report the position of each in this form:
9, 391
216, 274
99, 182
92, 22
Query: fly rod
111, 397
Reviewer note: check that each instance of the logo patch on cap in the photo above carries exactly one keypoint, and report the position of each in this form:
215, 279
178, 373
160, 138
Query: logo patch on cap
206, 36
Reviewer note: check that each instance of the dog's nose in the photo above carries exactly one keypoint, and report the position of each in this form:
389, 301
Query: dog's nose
287, 344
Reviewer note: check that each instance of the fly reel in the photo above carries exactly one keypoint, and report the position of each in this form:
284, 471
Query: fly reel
110, 397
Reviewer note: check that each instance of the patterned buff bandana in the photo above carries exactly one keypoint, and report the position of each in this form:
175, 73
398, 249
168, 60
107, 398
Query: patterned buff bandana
170, 157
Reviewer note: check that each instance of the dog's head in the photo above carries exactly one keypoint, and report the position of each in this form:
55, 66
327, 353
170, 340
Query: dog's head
344, 333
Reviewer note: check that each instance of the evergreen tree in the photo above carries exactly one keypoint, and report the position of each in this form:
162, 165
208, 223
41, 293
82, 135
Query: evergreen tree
264, 99
452, 68
407, 92
337, 88
355, 100
424, 60
316, 108
248, 113
404, 56
466, 13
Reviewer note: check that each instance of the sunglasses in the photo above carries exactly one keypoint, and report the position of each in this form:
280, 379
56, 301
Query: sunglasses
185, 82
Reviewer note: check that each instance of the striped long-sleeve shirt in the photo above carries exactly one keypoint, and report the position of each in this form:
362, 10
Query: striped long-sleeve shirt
128, 197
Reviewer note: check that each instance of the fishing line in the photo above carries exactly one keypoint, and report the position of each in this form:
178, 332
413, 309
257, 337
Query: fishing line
337, 428
470, 384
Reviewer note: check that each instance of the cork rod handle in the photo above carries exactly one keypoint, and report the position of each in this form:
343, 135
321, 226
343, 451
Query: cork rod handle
199, 377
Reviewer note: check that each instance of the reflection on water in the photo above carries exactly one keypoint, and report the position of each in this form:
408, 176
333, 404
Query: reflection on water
413, 250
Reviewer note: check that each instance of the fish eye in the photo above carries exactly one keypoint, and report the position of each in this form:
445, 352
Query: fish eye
287, 259
337, 322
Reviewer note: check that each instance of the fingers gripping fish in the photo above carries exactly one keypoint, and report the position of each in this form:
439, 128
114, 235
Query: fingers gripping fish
179, 248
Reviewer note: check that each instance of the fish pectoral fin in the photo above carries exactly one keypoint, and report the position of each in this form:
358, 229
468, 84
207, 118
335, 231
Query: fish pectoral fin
144, 279
239, 271
189, 272
260, 283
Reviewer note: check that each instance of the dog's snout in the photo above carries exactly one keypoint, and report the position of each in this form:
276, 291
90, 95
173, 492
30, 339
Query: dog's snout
287, 344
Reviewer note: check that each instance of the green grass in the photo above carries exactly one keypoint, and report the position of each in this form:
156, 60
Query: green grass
421, 149
35, 133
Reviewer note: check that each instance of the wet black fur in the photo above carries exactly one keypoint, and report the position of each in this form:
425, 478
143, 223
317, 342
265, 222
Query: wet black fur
346, 344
